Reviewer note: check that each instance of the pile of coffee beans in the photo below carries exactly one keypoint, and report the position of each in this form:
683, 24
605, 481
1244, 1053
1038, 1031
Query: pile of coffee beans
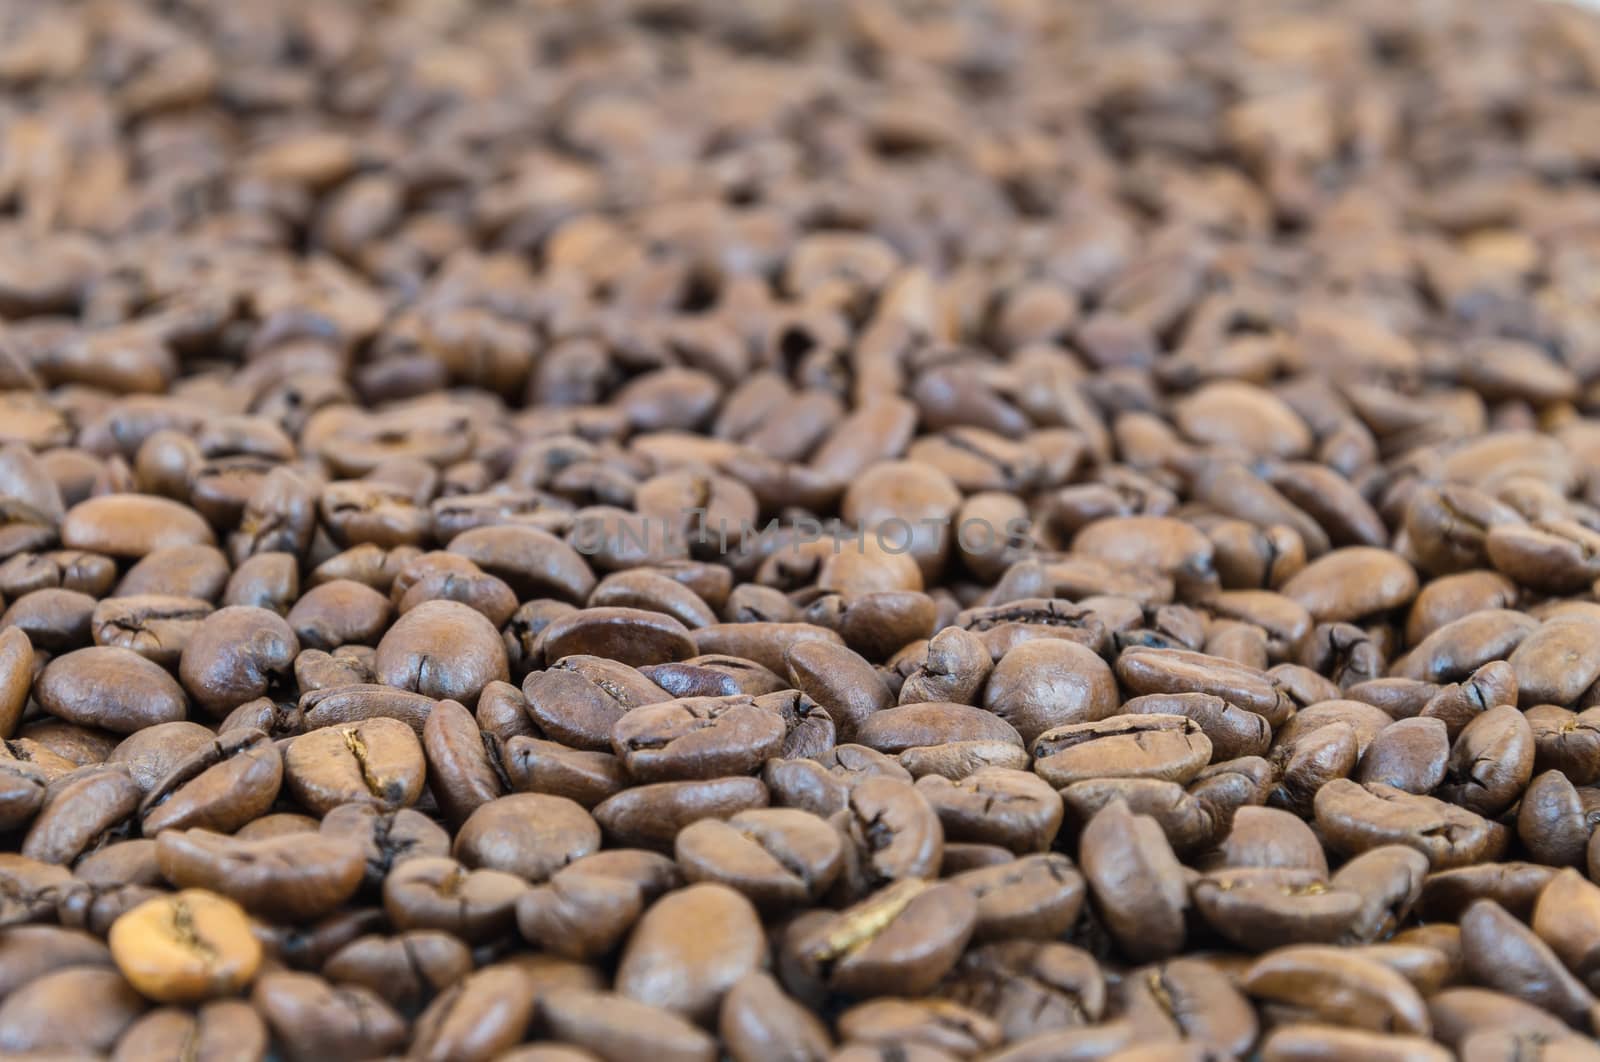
901, 530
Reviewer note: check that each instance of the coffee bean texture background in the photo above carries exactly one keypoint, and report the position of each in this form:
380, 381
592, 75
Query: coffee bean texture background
800, 530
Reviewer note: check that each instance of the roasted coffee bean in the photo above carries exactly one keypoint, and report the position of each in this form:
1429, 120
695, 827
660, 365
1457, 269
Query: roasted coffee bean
1354, 818
1410, 754
477, 657
1502, 953
157, 627
690, 948
580, 700
900, 940
406, 970
1338, 987
776, 857
186, 947
536, 766
1137, 884
1189, 998
650, 816
80, 810
1008, 807
614, 1027
579, 915
1047, 683
288, 878
386, 839
1259, 908
224, 1028
848, 687
1166, 747
1035, 896
1555, 820
357, 703
1514, 886
759, 1020
1564, 917
311, 1018
112, 688
74, 1012
432, 892
1170, 671
527, 834
1491, 762
235, 655
698, 737
377, 762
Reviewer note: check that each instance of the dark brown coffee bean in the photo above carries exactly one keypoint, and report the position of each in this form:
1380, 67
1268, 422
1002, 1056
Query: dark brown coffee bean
1189, 998
132, 525
222, 1029
432, 892
112, 688
697, 738
1555, 819
1514, 886
759, 1020
1338, 987
70, 1012
1012, 808
1137, 883
156, 627
406, 970
614, 1027
1502, 953
650, 816
386, 838
528, 834
236, 655
1165, 747
79, 811
377, 762
776, 857
1354, 818
1410, 754
220, 786
353, 704
338, 613
1260, 908
900, 940
314, 1019
478, 657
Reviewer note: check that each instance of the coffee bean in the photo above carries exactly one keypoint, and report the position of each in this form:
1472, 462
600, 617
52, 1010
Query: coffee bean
74, 1011
113, 688
1137, 883
1164, 747
378, 762
406, 970
690, 948
433, 892
1338, 987
776, 857
527, 834
477, 659
224, 1028
902, 939
293, 877
235, 655
187, 947
1354, 818
313, 1019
